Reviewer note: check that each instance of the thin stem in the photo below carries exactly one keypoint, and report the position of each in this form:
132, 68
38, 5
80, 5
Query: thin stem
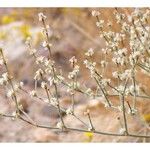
108, 102
10, 80
75, 129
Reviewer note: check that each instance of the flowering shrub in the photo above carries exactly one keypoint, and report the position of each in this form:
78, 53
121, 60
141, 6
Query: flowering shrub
126, 53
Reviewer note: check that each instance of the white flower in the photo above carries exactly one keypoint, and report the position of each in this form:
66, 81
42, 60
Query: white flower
47, 63
122, 131
54, 101
106, 105
44, 44
47, 27
74, 73
61, 78
132, 111
40, 60
90, 52
32, 51
106, 50
1, 61
89, 92
46, 31
21, 84
105, 82
130, 18
121, 89
119, 17
5, 76
15, 115
134, 90
59, 125
41, 16
109, 24
125, 27
89, 65
95, 13
115, 74
2, 81
120, 108
16, 87
38, 74
43, 85
33, 93
10, 93
90, 128
73, 60
122, 51
51, 81
46, 100
69, 111
103, 63
100, 23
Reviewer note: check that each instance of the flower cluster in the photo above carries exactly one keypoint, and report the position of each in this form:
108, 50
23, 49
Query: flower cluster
126, 55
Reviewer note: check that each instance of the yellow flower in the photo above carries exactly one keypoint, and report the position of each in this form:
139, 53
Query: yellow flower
25, 31
3, 35
7, 19
89, 136
146, 118
37, 39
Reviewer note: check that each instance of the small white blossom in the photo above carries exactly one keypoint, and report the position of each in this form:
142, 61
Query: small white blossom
105, 82
59, 125
40, 60
109, 24
5, 76
15, 115
43, 85
74, 73
103, 63
132, 111
54, 101
10, 93
1, 61
115, 74
90, 52
95, 13
33, 93
134, 90
32, 51
106, 105
100, 24
21, 84
44, 44
51, 81
38, 74
73, 60
61, 78
120, 108
3, 82
69, 111
41, 16
89, 92
122, 131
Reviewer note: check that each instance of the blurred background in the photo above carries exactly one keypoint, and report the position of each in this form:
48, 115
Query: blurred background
73, 31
